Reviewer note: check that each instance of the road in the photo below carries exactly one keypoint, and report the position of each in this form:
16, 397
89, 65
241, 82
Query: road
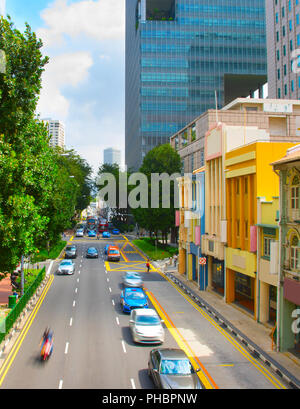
93, 348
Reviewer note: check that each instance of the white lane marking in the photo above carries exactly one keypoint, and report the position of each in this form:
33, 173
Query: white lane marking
117, 319
60, 384
49, 269
132, 383
124, 348
107, 280
79, 272
71, 322
76, 289
113, 303
67, 347
77, 280
109, 289
74, 302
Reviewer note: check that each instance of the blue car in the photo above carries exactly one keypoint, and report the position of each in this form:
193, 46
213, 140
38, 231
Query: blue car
116, 231
92, 233
106, 235
133, 298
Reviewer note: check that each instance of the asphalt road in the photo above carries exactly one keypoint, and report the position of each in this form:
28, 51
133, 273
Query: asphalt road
93, 348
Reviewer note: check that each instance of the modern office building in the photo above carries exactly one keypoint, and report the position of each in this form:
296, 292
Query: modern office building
111, 156
56, 131
283, 42
178, 53
2, 7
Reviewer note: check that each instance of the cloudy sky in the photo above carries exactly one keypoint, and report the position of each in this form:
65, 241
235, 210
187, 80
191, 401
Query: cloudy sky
84, 82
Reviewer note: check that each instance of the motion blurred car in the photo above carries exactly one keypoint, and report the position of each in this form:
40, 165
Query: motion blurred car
132, 279
133, 298
92, 233
106, 248
146, 326
113, 253
79, 233
115, 231
171, 368
92, 252
66, 267
71, 252
106, 235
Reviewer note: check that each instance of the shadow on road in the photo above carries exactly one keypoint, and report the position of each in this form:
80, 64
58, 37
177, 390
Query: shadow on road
145, 381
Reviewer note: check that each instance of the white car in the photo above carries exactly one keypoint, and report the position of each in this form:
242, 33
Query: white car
66, 267
79, 233
146, 326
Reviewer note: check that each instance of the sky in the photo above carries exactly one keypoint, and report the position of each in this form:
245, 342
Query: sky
84, 82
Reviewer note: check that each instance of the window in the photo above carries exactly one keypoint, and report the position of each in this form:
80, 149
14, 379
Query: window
282, 11
267, 246
278, 55
284, 50
295, 193
285, 89
290, 25
276, 17
277, 36
294, 254
297, 19
292, 85
291, 45
279, 91
284, 69
283, 31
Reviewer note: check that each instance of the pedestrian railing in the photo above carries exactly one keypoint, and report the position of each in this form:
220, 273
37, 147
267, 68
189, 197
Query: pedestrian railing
8, 322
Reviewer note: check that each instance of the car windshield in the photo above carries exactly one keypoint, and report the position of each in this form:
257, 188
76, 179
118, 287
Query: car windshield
70, 249
92, 250
176, 367
133, 276
66, 263
113, 251
147, 320
133, 295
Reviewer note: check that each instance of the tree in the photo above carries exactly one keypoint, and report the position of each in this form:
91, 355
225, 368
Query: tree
161, 159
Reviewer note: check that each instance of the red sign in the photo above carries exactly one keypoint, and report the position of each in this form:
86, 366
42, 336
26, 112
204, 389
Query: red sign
202, 260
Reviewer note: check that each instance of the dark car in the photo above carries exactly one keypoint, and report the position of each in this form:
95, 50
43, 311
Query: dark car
71, 252
92, 252
171, 368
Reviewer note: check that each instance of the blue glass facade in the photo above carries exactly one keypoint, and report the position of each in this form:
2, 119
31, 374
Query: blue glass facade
174, 63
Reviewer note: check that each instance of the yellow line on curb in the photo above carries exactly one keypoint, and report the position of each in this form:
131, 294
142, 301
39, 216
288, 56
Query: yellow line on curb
11, 356
243, 351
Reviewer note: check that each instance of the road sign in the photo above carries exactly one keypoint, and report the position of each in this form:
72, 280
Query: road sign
202, 260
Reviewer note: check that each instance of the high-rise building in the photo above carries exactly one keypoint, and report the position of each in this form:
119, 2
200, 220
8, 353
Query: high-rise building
111, 156
283, 42
2, 7
178, 53
56, 131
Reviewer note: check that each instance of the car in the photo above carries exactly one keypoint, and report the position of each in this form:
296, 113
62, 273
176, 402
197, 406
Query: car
146, 326
113, 253
115, 231
106, 248
79, 233
106, 235
133, 298
92, 252
71, 252
92, 233
66, 267
170, 368
132, 279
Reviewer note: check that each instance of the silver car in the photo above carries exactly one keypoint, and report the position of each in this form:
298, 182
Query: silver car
132, 279
66, 267
80, 233
146, 326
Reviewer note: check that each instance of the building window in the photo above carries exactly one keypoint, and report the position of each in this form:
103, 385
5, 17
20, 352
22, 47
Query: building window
294, 254
284, 69
290, 25
277, 36
297, 19
279, 91
285, 89
278, 55
292, 85
282, 11
278, 74
295, 193
284, 50
291, 45
267, 246
283, 31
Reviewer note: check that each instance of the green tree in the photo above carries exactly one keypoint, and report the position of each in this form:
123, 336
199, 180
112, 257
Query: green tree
161, 159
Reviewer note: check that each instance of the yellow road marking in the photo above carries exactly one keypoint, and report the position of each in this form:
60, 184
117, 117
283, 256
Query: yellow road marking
204, 376
244, 352
11, 356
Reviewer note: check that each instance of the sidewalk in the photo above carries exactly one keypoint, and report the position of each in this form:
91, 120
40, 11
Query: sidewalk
5, 290
256, 332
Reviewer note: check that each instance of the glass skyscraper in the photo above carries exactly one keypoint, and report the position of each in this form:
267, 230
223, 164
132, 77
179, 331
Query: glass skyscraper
178, 53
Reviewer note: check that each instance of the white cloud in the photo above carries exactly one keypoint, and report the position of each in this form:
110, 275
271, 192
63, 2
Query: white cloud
100, 20
68, 69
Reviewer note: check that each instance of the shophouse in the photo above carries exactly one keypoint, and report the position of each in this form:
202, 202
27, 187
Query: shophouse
288, 312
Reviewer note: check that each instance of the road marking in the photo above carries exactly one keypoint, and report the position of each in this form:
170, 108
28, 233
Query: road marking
78, 272
74, 302
71, 322
11, 356
60, 384
109, 289
113, 303
76, 289
77, 280
107, 280
243, 351
66, 348
117, 319
132, 383
124, 348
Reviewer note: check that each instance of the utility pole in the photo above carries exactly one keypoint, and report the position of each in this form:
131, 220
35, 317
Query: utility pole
22, 276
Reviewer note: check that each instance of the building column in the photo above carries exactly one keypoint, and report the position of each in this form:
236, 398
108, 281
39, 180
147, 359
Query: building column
209, 272
230, 290
264, 297
190, 267
182, 257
